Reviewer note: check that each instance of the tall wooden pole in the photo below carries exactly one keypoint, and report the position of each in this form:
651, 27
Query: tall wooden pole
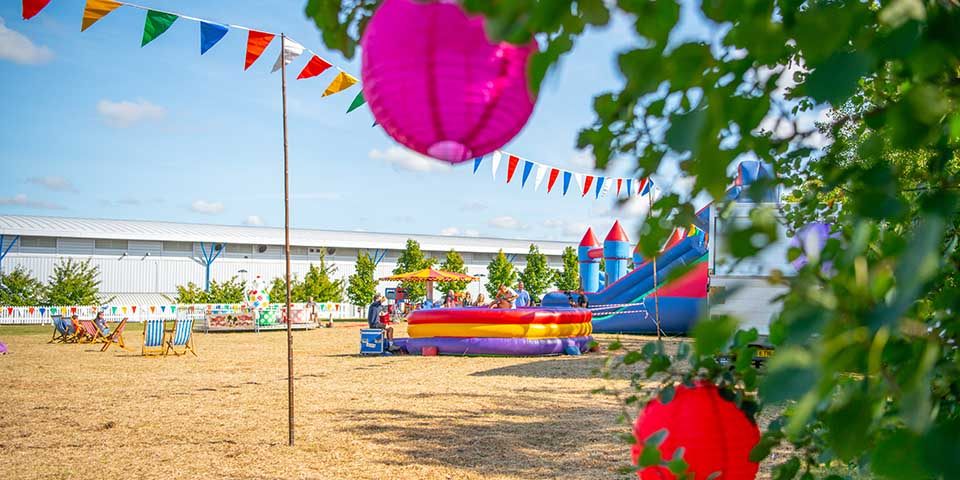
656, 295
286, 239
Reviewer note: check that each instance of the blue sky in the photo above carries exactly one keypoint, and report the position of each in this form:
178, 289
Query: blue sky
96, 126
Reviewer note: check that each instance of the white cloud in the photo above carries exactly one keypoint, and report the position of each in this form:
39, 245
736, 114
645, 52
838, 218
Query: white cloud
126, 113
403, 159
53, 182
506, 222
203, 206
253, 220
17, 48
21, 200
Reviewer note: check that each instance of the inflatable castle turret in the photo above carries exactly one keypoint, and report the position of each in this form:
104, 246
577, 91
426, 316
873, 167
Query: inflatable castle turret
616, 253
589, 255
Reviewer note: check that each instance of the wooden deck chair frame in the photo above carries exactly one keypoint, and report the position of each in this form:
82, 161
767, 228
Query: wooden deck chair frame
181, 336
91, 332
154, 337
116, 336
61, 332
78, 332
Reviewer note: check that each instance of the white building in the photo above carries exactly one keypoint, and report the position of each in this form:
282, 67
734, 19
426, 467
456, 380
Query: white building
142, 261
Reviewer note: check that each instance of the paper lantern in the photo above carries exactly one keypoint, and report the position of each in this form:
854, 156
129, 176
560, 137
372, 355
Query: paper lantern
438, 85
716, 435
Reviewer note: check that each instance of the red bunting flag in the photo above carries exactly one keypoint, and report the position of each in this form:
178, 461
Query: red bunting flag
314, 67
619, 184
33, 7
586, 185
554, 173
511, 166
133, 308
257, 42
642, 183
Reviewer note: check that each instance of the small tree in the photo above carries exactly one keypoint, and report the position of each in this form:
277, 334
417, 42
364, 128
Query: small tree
568, 279
319, 284
74, 283
278, 290
536, 275
230, 291
192, 293
411, 260
499, 272
19, 288
453, 263
362, 285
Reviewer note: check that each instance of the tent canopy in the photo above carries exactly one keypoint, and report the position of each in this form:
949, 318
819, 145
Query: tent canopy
431, 275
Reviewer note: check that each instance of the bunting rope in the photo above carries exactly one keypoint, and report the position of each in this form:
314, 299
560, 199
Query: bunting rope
157, 22
599, 185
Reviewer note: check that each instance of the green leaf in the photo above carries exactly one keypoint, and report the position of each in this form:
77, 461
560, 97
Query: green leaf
899, 455
685, 130
632, 357
847, 425
790, 374
787, 470
710, 336
677, 467
836, 78
666, 394
649, 456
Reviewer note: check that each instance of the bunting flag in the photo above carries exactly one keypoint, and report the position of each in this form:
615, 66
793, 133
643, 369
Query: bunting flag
553, 179
210, 34
599, 188
133, 308
495, 162
587, 184
629, 187
288, 52
512, 162
341, 82
257, 42
163, 308
357, 102
33, 7
95, 10
566, 181
606, 188
42, 309
527, 167
619, 185
314, 67
173, 308
155, 24
579, 179
541, 172
114, 310
476, 164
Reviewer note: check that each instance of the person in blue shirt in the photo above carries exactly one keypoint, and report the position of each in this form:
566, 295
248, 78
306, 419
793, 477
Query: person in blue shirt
523, 296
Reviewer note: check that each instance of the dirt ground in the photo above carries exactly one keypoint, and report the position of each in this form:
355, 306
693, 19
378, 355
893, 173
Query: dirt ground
69, 411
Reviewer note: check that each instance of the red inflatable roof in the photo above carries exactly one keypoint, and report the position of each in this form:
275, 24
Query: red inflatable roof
589, 239
617, 234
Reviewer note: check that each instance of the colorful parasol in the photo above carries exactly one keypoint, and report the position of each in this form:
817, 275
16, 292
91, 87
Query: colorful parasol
431, 275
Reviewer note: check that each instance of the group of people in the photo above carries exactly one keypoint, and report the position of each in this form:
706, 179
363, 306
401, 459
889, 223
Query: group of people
505, 297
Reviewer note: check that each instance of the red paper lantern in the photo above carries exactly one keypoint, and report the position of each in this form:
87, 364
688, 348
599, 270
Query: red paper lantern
438, 85
716, 435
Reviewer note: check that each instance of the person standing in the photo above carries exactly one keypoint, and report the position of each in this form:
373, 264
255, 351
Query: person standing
523, 296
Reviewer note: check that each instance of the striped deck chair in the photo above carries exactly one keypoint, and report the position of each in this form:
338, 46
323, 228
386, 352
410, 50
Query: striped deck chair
182, 337
91, 333
153, 336
78, 332
115, 337
62, 330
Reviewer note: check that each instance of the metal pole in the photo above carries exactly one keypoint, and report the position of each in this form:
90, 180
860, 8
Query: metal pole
286, 239
656, 286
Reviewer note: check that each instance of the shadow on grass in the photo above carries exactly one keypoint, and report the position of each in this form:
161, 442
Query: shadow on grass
531, 440
583, 366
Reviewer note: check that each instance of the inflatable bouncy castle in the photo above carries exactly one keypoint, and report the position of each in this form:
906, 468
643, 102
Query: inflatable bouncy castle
488, 331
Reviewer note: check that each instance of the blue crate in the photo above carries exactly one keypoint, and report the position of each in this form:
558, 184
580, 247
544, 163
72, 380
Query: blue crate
371, 341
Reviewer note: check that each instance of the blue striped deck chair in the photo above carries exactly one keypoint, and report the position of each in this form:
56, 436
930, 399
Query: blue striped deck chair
62, 330
182, 337
153, 337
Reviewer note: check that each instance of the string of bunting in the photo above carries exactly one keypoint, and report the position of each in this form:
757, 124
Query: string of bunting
598, 185
157, 22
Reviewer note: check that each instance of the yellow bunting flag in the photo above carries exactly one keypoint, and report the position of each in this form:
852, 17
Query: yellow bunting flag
343, 81
97, 9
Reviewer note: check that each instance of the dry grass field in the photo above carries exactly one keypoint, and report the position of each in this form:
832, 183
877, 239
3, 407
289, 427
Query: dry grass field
69, 411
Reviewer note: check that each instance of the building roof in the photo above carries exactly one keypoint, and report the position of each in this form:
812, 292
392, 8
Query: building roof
29, 225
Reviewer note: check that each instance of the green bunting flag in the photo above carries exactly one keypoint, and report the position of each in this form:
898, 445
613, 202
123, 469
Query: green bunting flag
357, 102
156, 24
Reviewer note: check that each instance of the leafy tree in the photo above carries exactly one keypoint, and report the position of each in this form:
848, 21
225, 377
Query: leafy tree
319, 284
20, 288
499, 272
453, 262
866, 360
278, 290
230, 291
191, 293
362, 285
536, 275
412, 259
568, 278
74, 283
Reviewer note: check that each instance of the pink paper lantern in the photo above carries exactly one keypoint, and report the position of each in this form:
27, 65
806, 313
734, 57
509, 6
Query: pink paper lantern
438, 85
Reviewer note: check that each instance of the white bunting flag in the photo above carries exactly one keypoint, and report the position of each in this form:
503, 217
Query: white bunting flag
606, 186
541, 172
495, 162
290, 51
579, 178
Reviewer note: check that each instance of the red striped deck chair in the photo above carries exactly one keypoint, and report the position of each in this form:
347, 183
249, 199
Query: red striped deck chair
91, 333
115, 337
182, 337
153, 337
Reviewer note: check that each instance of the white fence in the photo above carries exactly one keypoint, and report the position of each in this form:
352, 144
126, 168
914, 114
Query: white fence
43, 315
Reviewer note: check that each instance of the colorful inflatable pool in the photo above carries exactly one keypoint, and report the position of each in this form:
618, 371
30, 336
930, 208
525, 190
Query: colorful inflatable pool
485, 331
